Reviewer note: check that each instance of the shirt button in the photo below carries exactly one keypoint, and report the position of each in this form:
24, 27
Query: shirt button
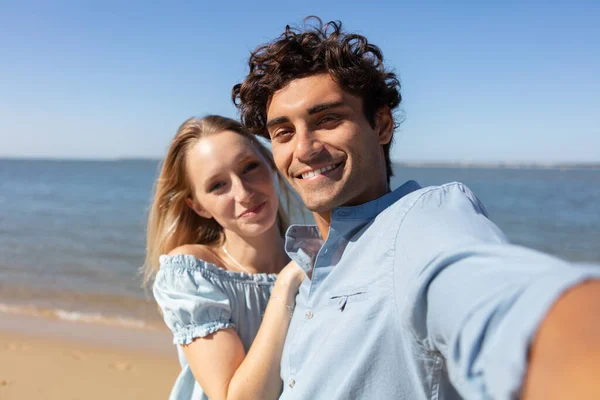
291, 383
308, 314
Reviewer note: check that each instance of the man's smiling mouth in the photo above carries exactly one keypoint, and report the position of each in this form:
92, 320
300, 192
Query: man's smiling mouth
319, 171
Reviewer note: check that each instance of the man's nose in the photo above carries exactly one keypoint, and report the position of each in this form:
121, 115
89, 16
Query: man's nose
307, 144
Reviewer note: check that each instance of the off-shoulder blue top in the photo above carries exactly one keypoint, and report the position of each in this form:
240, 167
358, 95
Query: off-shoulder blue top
198, 298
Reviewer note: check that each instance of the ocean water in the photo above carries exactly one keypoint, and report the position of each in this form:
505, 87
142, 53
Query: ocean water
72, 232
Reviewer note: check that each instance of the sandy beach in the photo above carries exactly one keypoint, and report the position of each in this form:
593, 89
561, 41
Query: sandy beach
50, 359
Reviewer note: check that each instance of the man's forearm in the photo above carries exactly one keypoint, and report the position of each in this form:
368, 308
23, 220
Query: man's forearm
564, 359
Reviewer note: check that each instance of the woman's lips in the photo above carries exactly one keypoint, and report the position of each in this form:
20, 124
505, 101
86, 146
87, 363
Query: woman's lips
253, 211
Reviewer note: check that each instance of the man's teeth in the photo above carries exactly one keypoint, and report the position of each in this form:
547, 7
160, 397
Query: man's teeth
316, 172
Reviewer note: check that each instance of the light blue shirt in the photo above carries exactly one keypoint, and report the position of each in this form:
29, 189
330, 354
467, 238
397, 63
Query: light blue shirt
416, 295
198, 298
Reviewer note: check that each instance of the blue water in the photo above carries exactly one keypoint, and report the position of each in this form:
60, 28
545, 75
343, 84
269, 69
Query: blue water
552, 210
72, 232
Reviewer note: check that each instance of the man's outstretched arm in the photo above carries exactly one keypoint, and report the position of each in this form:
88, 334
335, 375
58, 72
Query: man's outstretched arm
507, 320
564, 359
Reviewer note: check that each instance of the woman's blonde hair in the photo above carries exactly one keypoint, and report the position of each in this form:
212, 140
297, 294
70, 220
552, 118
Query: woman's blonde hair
171, 223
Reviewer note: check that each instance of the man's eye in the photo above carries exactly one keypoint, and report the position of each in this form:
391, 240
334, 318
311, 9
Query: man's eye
329, 118
216, 186
281, 132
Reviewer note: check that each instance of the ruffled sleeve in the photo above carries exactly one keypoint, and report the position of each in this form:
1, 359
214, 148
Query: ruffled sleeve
193, 305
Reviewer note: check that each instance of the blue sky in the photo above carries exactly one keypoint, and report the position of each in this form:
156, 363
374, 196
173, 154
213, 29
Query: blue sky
481, 81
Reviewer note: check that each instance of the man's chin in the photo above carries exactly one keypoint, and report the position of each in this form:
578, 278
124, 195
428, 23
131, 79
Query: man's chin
321, 205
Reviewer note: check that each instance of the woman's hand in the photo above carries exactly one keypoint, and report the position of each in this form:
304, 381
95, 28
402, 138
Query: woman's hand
291, 275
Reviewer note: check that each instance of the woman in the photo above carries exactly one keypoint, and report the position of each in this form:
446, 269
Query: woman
215, 243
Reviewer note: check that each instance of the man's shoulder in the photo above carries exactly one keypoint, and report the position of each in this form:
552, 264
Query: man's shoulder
441, 216
430, 197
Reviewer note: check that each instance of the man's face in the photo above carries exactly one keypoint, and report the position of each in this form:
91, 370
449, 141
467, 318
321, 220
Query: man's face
324, 146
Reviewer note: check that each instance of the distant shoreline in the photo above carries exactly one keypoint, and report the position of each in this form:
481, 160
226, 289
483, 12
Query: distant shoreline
408, 164
499, 165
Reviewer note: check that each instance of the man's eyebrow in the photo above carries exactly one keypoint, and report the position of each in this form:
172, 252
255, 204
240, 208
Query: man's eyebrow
277, 121
312, 110
325, 106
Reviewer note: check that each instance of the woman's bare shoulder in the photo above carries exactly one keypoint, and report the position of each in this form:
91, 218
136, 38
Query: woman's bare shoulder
200, 251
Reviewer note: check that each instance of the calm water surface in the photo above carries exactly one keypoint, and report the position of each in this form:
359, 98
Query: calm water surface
72, 232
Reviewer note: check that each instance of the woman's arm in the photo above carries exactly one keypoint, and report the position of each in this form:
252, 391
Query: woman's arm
218, 361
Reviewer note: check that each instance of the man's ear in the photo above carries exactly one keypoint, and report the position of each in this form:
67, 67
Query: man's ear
197, 209
385, 125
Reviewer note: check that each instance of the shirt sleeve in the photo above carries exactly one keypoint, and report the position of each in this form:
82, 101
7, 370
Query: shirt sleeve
472, 296
191, 304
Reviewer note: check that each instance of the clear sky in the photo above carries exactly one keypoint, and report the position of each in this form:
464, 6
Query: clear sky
481, 81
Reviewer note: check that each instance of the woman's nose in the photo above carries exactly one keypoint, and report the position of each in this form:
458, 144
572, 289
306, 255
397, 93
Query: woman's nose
242, 191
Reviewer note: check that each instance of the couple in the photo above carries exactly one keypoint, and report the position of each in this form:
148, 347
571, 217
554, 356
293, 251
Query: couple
404, 294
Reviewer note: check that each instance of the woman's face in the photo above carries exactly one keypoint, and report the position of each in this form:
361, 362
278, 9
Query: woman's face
232, 183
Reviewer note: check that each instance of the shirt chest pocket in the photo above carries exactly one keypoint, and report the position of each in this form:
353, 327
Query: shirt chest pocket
342, 299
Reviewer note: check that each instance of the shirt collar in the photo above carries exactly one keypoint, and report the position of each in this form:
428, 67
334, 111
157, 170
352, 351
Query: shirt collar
372, 209
302, 242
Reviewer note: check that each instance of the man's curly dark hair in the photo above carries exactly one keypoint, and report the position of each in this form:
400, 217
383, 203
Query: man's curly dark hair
351, 61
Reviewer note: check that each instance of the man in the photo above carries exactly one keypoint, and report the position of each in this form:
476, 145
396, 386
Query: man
414, 293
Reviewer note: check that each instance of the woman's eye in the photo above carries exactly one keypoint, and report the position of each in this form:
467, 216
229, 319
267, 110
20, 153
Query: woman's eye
251, 166
216, 186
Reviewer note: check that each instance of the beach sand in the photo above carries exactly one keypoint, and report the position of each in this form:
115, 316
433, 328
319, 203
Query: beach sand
51, 359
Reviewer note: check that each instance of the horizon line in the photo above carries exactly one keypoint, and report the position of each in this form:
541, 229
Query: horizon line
411, 163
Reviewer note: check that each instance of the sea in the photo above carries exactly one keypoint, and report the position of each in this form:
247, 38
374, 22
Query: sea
72, 233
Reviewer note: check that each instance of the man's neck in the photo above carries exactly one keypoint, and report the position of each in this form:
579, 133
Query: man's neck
323, 221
